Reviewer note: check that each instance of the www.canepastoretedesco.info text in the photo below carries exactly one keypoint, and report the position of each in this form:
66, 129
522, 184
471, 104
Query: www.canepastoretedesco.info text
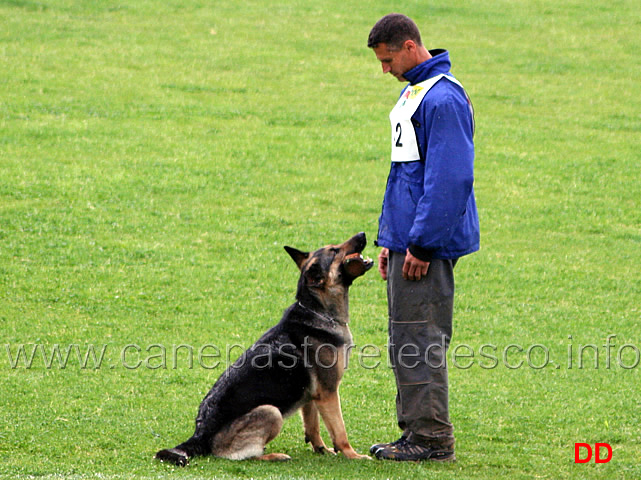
605, 354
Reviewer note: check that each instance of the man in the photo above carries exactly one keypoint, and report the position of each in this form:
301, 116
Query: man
429, 220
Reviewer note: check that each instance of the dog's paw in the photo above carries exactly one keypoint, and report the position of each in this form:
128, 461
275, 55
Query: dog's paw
322, 450
361, 457
275, 457
173, 455
352, 455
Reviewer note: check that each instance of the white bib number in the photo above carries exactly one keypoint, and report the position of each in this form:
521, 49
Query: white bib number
404, 144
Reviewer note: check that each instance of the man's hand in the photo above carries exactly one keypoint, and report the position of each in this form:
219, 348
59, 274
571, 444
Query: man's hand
382, 263
413, 268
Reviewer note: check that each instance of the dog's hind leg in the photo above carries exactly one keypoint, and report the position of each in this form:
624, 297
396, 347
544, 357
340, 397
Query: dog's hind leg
247, 436
311, 423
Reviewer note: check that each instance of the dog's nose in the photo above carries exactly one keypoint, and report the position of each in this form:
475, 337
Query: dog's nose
360, 239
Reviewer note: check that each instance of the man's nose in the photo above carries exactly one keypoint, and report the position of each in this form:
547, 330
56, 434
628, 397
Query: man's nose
386, 67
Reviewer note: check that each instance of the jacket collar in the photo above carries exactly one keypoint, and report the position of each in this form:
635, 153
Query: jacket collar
439, 63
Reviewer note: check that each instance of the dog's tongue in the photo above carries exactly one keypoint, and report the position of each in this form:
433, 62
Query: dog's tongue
355, 265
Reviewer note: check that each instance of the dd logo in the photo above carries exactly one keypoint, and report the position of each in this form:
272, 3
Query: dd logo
588, 453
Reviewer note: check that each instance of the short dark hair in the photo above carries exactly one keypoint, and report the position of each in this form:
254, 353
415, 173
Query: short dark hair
393, 30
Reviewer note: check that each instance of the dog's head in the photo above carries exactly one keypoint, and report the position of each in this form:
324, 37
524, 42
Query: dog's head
329, 271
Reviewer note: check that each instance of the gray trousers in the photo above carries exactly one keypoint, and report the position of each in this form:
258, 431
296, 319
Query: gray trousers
420, 330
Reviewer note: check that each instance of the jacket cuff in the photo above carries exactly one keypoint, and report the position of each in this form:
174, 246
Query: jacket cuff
423, 254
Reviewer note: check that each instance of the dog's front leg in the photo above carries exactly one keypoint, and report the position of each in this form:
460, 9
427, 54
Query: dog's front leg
311, 423
329, 406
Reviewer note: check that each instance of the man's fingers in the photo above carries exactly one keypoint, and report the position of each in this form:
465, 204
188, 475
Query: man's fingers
406, 270
413, 268
409, 271
382, 269
424, 269
382, 263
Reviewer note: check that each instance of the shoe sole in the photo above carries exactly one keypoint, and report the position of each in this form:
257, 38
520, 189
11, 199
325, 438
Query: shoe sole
451, 459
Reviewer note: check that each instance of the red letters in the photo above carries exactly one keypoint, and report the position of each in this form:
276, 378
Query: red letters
577, 453
597, 449
597, 453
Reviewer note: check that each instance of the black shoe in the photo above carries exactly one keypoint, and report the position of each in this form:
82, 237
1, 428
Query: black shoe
374, 448
405, 451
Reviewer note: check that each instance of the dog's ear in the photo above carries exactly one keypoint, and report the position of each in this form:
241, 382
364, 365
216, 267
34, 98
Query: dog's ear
298, 256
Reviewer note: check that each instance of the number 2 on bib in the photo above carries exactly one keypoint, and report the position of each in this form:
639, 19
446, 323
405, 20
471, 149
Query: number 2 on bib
399, 131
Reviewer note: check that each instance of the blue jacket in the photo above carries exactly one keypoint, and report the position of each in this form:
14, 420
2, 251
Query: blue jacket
429, 205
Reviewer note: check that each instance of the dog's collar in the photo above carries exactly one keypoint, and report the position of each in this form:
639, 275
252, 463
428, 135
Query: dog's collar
320, 315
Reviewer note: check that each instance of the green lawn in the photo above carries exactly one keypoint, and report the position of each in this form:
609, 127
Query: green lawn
156, 156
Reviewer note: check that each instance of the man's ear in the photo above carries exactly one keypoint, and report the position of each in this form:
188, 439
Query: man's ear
298, 256
410, 45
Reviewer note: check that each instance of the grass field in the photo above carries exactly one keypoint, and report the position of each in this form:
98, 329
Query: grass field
156, 156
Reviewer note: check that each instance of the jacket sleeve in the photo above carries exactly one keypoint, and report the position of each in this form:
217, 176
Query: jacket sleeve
447, 145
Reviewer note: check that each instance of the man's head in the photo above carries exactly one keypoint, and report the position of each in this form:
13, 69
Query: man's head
394, 29
396, 41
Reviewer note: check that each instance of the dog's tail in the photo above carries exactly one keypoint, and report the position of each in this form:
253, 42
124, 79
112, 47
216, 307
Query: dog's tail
181, 454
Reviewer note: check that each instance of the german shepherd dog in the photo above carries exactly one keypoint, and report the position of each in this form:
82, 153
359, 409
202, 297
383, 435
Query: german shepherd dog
297, 364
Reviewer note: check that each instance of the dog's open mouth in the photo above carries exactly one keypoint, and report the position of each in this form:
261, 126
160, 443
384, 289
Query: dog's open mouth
356, 265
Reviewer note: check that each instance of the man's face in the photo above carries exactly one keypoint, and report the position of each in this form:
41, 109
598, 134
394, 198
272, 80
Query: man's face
396, 62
